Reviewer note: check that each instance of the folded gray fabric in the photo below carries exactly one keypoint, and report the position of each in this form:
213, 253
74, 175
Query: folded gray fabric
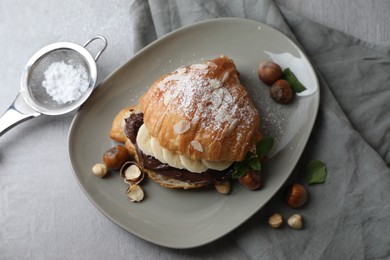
347, 217
356, 74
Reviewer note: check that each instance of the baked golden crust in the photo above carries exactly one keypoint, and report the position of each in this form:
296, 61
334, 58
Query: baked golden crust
203, 112
172, 183
117, 131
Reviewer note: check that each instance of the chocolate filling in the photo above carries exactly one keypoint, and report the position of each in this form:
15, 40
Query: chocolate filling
133, 123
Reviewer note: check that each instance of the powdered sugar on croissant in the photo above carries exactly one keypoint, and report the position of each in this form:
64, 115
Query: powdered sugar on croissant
203, 112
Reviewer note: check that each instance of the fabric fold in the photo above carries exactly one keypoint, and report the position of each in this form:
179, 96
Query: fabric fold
356, 73
142, 25
348, 216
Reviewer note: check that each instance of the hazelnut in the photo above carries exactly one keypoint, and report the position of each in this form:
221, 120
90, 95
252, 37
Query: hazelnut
131, 173
135, 193
223, 187
281, 91
115, 157
276, 220
295, 221
99, 169
269, 72
251, 180
296, 195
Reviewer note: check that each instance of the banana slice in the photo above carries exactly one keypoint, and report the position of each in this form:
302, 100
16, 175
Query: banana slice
219, 166
143, 140
157, 150
172, 159
192, 165
151, 146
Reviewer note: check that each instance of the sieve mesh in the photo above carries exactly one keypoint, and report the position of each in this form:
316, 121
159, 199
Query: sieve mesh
37, 76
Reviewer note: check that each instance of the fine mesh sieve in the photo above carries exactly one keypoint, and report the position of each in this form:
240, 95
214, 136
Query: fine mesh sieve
33, 99
36, 76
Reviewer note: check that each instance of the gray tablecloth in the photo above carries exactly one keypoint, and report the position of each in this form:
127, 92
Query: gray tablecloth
347, 217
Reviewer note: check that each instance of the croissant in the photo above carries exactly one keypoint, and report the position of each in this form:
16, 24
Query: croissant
194, 122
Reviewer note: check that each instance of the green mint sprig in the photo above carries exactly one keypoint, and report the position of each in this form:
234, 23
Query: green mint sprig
252, 160
295, 84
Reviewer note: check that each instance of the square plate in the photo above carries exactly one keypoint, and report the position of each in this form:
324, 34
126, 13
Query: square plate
185, 219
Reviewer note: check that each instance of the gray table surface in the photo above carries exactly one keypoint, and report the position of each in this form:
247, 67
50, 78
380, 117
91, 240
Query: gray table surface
43, 212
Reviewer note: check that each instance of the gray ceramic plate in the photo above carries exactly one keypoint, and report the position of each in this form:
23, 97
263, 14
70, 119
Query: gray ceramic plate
185, 219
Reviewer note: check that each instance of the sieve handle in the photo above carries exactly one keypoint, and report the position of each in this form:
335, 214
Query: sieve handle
98, 37
17, 113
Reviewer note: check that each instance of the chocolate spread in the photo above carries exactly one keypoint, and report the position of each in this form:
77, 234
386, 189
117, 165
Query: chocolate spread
133, 123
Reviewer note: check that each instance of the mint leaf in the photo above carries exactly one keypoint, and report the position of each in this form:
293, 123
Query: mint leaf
252, 160
239, 170
255, 164
315, 172
250, 156
295, 84
264, 146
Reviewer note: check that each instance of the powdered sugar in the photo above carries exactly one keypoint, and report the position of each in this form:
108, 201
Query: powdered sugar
65, 82
201, 96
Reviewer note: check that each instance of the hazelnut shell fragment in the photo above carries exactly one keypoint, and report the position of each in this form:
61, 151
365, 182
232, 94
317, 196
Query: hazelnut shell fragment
131, 173
135, 193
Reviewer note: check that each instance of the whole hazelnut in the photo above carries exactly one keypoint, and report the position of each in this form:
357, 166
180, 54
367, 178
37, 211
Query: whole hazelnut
295, 221
276, 220
115, 157
223, 187
296, 195
269, 72
99, 169
281, 91
251, 180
